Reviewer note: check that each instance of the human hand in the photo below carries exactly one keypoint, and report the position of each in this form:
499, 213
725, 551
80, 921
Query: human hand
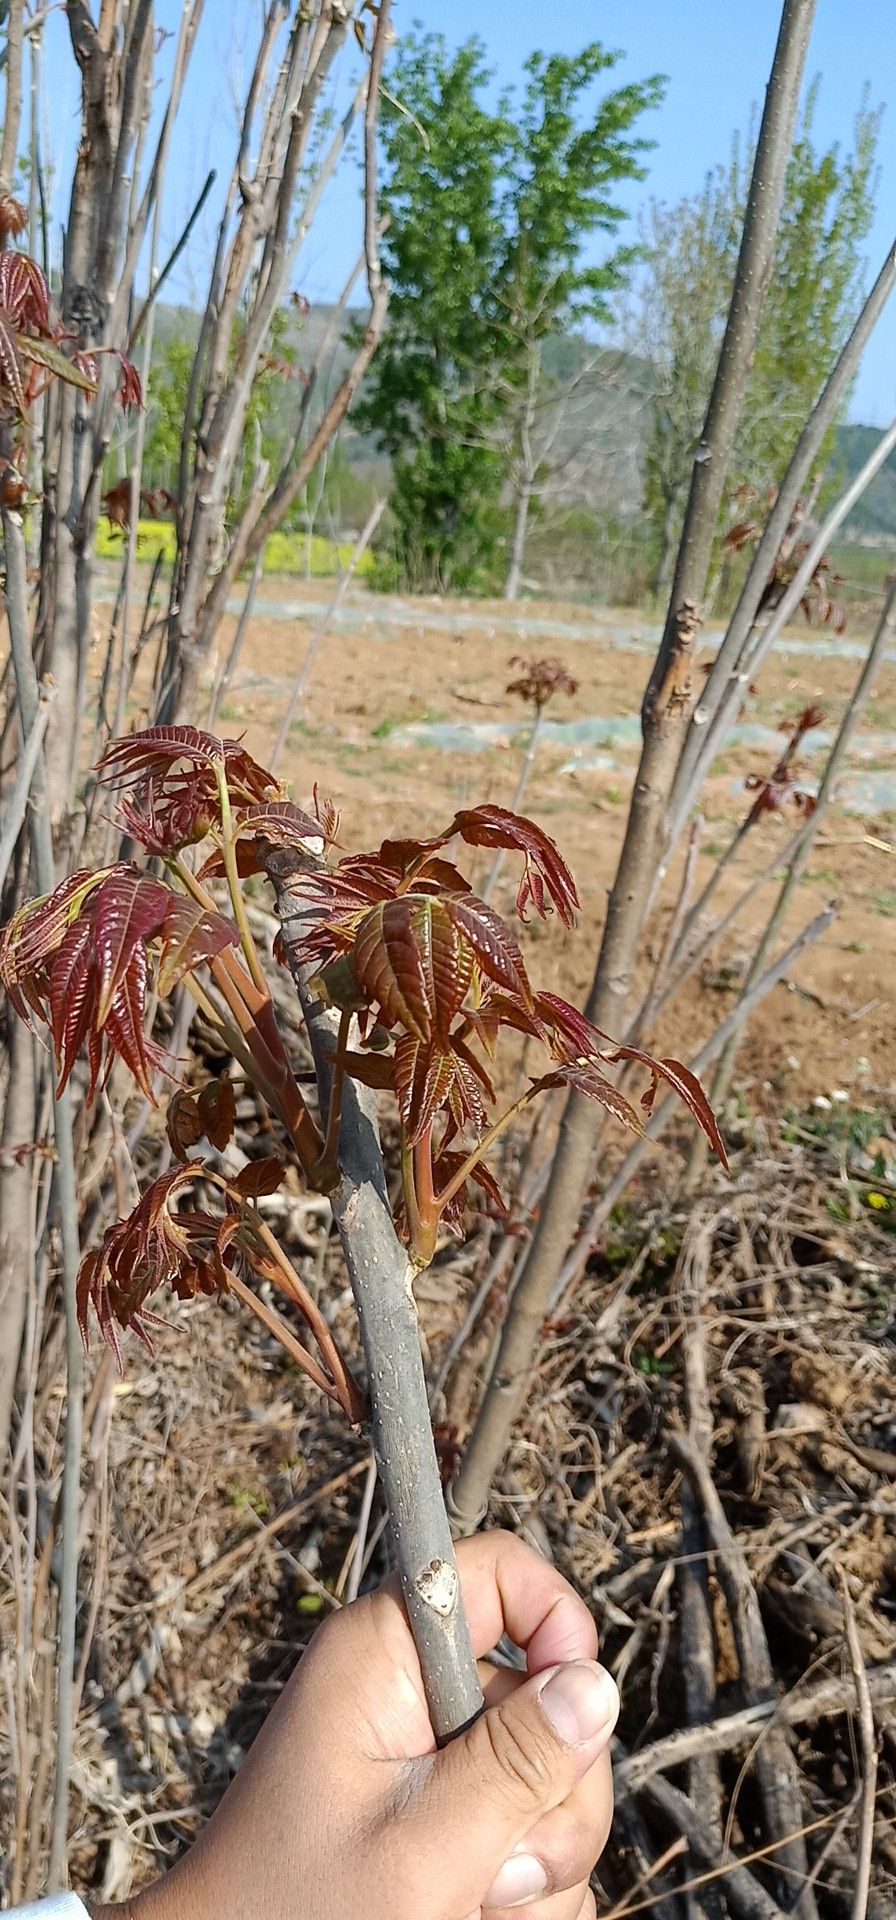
343, 1809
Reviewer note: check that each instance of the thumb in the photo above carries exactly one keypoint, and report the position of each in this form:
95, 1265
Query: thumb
517, 1761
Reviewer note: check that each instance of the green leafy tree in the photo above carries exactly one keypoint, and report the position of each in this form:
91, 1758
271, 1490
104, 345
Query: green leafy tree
682, 298
430, 400
568, 156
166, 403
271, 409
490, 210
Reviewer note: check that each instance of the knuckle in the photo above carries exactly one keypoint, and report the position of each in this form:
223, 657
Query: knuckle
572, 1846
524, 1756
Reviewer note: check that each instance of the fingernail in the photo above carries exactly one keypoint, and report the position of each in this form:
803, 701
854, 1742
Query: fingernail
521, 1879
580, 1703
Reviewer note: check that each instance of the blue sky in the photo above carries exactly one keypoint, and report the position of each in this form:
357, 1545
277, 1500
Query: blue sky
716, 65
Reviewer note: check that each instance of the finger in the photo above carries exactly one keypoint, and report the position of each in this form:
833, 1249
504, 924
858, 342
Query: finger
563, 1846
518, 1762
508, 1588
576, 1904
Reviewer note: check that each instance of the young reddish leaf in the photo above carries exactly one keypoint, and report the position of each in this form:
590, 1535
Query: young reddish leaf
412, 964
130, 390
24, 292
128, 909
485, 1022
155, 751
467, 1090
688, 1088
191, 935
407, 1051
326, 814
71, 997
466, 1054
176, 771
125, 1027
151, 1248
738, 535
494, 946
259, 1177
586, 1078
541, 679
216, 1112
13, 216
441, 1070
32, 936
166, 822
12, 372
182, 1123
571, 1035
445, 1169
372, 1069
423, 1078
481, 1177
545, 869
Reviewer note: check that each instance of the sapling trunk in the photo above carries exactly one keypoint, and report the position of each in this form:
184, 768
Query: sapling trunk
704, 734
664, 718
796, 866
732, 1024
382, 1278
526, 765
323, 627
28, 697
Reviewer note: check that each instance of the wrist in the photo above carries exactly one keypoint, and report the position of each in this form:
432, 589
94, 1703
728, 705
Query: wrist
156, 1902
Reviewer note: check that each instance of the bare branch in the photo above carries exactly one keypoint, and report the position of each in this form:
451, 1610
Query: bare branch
664, 714
801, 1708
382, 1283
67, 1203
12, 105
322, 629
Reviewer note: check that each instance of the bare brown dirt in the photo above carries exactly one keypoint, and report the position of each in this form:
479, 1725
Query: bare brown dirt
221, 1498
830, 1030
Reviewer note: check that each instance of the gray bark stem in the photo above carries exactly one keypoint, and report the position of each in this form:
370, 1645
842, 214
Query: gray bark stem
664, 717
66, 1194
884, 632
705, 732
381, 1277
323, 627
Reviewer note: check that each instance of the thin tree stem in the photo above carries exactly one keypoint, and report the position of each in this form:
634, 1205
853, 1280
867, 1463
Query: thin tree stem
65, 1185
796, 865
522, 782
664, 718
382, 1276
320, 633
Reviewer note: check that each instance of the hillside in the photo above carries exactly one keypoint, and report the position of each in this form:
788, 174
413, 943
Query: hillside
874, 518
600, 447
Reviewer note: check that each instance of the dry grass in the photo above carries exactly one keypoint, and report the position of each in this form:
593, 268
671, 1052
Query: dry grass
221, 1501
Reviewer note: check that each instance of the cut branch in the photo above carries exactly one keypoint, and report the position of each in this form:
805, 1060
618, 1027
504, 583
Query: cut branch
775, 1765
735, 1730
382, 1276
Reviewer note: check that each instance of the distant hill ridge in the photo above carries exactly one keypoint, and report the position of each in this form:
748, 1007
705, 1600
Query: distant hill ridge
614, 396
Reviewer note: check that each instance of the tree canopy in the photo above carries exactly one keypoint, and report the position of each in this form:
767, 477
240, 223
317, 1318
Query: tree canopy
493, 206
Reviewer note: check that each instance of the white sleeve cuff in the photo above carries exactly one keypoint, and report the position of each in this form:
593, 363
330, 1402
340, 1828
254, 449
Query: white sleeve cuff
56, 1906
